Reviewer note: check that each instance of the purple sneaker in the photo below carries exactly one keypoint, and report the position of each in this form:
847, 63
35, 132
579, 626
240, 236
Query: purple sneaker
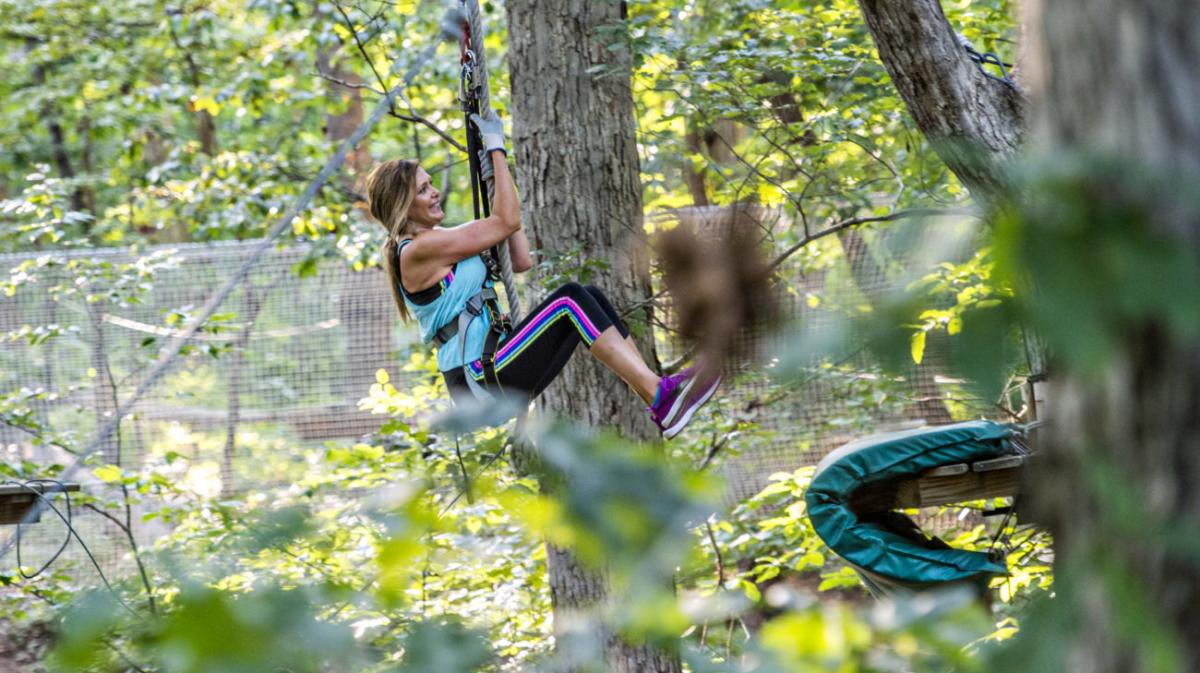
679, 397
672, 390
695, 393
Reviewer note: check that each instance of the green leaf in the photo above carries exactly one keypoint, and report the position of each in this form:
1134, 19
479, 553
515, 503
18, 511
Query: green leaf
108, 473
918, 346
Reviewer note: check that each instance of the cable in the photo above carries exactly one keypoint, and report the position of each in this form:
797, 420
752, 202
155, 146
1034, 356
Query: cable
463, 467
61, 487
28, 485
472, 43
507, 443
986, 58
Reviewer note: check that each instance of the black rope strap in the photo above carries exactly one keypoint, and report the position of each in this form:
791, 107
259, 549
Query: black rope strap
68, 519
985, 59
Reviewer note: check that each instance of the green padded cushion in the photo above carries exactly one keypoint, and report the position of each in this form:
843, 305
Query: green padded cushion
898, 455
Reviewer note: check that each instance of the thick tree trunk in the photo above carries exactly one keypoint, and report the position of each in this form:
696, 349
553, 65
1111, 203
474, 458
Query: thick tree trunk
574, 146
1119, 77
973, 123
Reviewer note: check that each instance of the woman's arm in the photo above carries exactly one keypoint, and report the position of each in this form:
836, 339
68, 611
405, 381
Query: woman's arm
518, 252
506, 199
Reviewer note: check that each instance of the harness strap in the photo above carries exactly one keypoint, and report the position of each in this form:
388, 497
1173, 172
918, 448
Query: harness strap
490, 344
464, 321
485, 299
475, 306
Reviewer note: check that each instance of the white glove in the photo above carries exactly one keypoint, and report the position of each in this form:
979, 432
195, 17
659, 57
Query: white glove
491, 131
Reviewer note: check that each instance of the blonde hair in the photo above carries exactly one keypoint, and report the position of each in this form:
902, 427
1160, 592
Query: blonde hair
391, 188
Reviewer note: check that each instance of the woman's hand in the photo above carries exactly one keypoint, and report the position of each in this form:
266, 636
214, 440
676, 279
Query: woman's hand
491, 131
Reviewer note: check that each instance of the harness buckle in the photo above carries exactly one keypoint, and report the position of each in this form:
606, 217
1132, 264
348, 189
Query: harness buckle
476, 305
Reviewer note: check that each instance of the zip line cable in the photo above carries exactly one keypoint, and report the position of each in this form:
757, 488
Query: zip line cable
450, 28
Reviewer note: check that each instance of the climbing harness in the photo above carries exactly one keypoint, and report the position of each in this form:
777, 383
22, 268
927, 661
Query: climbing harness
986, 58
499, 325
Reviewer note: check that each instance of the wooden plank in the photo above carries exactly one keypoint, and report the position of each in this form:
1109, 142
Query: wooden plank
948, 470
998, 478
938, 491
16, 500
1002, 463
40, 487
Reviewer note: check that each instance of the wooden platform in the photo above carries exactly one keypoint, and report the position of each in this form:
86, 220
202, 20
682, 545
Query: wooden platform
946, 485
16, 501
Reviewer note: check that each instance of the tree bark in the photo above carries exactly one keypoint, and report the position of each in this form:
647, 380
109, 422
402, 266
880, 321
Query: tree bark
574, 144
1119, 78
974, 123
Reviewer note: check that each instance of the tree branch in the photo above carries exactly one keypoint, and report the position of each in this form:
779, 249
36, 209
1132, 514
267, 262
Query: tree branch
348, 85
413, 117
362, 48
854, 222
974, 123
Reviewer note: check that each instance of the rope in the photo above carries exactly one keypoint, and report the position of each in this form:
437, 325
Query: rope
171, 350
473, 39
987, 58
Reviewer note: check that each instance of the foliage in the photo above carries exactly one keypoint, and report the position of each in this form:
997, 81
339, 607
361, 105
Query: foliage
418, 548
1081, 233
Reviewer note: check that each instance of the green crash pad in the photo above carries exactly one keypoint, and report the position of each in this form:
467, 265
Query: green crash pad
882, 545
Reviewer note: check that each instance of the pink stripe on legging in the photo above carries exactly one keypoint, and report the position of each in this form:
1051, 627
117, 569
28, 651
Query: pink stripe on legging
575, 310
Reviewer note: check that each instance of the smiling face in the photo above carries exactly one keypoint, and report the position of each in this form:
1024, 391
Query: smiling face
426, 208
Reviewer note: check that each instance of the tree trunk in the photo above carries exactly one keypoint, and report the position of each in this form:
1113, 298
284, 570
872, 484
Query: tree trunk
251, 305
574, 146
697, 185
82, 200
341, 125
104, 395
974, 123
206, 128
1119, 77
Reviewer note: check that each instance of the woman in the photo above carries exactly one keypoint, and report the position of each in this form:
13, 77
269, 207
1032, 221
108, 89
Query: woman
436, 272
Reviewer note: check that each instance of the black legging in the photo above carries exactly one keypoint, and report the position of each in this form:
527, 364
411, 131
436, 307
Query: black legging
532, 354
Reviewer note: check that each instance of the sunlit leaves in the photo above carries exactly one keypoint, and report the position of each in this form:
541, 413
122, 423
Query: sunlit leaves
42, 215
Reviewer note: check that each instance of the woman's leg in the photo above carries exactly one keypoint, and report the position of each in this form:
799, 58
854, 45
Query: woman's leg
613, 316
620, 355
533, 353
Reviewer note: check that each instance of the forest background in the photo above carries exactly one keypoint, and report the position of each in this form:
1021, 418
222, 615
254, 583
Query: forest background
141, 123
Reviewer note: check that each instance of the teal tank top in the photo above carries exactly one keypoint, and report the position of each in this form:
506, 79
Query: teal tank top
459, 286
